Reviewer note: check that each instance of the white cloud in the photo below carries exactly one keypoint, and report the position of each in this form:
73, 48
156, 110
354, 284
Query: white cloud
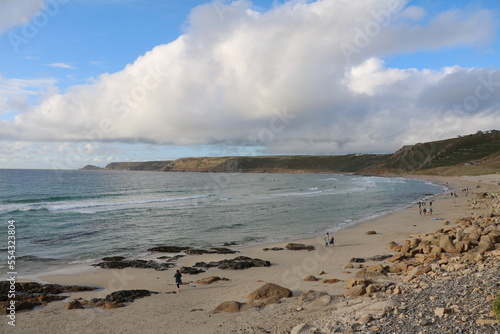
62, 65
15, 12
14, 93
283, 80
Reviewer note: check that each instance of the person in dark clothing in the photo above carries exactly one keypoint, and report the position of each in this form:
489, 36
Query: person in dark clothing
178, 280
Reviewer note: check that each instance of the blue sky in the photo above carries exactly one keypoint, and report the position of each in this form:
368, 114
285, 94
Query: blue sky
89, 82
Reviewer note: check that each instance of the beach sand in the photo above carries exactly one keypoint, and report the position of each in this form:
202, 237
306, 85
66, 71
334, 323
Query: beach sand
189, 310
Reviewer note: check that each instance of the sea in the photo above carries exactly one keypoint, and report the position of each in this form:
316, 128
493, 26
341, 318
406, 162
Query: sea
64, 219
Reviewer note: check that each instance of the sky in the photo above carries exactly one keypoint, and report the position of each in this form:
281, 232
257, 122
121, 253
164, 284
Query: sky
98, 81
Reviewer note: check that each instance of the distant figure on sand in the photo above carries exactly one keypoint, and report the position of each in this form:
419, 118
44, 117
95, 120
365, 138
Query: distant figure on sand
178, 280
327, 239
332, 241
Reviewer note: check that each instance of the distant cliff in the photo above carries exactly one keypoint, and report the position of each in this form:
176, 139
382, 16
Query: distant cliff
278, 164
475, 154
144, 166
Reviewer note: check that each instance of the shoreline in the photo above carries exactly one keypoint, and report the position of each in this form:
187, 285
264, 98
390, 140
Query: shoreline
82, 268
288, 269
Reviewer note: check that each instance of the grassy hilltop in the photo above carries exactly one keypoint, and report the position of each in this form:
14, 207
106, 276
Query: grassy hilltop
476, 154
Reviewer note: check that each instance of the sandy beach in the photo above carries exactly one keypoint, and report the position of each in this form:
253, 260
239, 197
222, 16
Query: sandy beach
190, 310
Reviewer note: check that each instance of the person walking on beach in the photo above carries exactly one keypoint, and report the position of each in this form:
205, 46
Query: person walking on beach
327, 239
178, 280
332, 241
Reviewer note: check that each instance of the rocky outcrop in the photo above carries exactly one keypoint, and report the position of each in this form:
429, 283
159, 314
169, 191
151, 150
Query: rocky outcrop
141, 264
238, 263
31, 294
215, 250
118, 299
210, 280
168, 249
295, 246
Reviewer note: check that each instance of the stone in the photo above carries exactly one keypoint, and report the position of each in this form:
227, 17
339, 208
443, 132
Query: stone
446, 243
377, 267
310, 278
238, 263
229, 307
378, 257
371, 289
420, 270
356, 291
442, 311
74, 305
191, 270
270, 290
141, 264
124, 296
357, 260
168, 249
366, 319
368, 274
370, 232
113, 258
392, 246
112, 305
353, 281
396, 258
210, 280
331, 281
296, 246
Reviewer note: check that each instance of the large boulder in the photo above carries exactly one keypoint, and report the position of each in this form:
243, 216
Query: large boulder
446, 243
270, 290
356, 291
74, 305
231, 307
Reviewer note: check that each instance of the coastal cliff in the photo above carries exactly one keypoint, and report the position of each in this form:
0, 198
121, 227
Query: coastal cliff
475, 154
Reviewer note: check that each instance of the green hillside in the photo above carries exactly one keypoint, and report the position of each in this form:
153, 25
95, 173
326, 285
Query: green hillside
278, 164
464, 155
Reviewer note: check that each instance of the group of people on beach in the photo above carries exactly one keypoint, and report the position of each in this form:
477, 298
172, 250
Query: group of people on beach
423, 210
330, 240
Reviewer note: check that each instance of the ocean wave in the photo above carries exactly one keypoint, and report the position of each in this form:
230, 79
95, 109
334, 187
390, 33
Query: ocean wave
334, 191
54, 199
85, 205
224, 227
